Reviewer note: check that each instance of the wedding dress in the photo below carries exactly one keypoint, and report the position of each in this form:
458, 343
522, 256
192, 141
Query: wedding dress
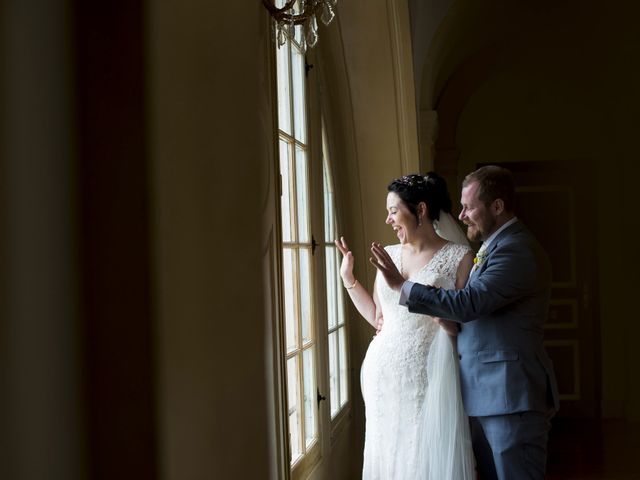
416, 428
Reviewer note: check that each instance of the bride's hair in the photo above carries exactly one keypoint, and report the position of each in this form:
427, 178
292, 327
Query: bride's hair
430, 189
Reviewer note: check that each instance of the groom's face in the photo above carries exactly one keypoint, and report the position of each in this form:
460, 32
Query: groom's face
480, 221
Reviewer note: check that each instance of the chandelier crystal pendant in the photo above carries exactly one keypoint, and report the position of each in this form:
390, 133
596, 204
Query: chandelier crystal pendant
301, 13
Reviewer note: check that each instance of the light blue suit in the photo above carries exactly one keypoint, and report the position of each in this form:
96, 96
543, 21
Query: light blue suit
507, 379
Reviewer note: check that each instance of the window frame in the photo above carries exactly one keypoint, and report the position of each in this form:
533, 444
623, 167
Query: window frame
328, 428
343, 415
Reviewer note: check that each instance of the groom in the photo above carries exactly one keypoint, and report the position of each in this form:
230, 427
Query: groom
508, 386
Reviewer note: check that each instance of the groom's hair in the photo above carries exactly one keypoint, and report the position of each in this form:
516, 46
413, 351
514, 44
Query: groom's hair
494, 182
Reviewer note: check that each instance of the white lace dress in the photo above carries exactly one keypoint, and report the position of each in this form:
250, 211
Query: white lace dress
395, 377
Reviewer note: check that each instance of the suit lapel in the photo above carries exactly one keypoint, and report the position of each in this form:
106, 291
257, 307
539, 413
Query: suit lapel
510, 230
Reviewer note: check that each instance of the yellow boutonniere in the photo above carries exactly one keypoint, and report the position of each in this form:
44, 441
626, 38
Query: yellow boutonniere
479, 258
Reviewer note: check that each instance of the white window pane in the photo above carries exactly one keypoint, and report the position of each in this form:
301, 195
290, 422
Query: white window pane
285, 171
329, 213
334, 384
332, 273
340, 292
305, 293
343, 366
332, 233
292, 383
295, 424
310, 397
284, 89
299, 117
291, 324
302, 190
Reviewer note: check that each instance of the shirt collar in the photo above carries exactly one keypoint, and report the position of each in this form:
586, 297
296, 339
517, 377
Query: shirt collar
493, 236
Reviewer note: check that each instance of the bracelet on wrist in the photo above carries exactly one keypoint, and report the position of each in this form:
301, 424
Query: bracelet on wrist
349, 287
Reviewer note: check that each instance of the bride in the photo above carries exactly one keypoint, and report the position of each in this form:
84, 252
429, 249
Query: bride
416, 427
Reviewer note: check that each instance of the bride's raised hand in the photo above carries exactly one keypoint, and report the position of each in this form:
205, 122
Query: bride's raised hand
346, 268
383, 262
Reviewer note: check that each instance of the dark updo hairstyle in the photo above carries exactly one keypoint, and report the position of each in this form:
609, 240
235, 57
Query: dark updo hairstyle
430, 189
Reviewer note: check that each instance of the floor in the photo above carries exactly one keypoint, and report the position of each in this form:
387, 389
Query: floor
590, 450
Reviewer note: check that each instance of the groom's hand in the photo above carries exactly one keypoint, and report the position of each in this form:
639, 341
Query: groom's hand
382, 261
449, 326
379, 323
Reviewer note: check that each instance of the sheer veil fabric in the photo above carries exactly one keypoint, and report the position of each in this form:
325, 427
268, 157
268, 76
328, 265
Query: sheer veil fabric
448, 228
445, 428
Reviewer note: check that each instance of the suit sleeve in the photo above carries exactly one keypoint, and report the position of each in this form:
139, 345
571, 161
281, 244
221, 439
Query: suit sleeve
510, 274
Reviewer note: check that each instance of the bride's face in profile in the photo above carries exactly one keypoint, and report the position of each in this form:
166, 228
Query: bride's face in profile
400, 218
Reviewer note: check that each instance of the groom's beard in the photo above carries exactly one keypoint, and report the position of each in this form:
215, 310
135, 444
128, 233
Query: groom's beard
473, 234
479, 232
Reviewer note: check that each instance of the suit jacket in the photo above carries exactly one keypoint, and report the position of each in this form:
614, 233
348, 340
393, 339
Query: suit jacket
503, 365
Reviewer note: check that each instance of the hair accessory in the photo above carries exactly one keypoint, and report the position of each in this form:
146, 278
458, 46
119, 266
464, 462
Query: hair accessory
412, 180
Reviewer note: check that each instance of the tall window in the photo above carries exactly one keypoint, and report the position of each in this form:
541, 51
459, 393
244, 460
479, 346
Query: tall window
336, 325
315, 353
300, 314
301, 349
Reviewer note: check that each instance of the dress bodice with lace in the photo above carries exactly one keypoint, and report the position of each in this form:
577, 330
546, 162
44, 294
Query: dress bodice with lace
394, 373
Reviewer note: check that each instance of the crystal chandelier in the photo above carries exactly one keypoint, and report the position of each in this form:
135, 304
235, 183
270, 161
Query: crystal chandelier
302, 13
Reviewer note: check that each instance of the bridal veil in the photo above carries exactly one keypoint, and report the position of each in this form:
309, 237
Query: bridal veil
445, 432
